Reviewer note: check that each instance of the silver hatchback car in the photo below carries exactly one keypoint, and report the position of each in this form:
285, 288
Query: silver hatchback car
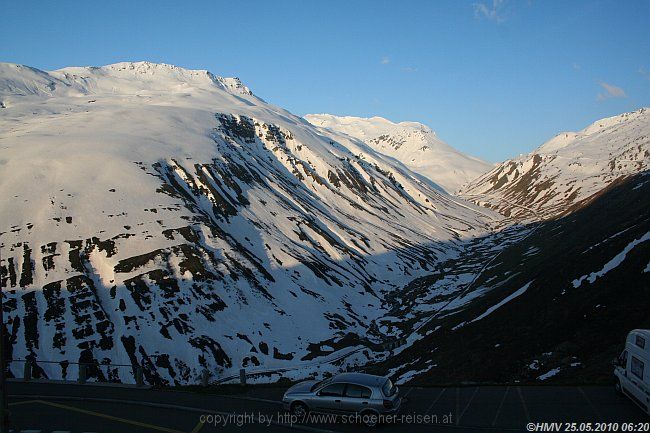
365, 394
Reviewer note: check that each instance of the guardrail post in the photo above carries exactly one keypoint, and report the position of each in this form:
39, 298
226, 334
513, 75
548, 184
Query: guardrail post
27, 374
83, 373
242, 376
205, 377
139, 376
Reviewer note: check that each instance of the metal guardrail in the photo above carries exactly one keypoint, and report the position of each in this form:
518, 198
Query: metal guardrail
80, 372
93, 372
244, 374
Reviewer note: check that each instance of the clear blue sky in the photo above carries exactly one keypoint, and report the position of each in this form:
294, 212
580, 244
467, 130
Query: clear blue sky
493, 78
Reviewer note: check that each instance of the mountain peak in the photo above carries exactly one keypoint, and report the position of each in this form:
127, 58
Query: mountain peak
149, 71
366, 127
414, 144
20, 80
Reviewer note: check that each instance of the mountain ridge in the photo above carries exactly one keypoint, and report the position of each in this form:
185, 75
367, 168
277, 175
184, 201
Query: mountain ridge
74, 77
414, 144
567, 169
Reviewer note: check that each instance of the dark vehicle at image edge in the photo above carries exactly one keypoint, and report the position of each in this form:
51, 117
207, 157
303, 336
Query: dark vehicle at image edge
345, 393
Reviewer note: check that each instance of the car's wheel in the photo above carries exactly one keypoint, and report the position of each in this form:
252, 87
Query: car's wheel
618, 387
369, 418
299, 409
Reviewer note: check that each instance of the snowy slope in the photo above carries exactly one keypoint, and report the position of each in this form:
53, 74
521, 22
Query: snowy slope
170, 218
412, 143
568, 169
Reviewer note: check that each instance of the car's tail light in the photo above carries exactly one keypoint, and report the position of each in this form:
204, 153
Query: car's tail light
388, 404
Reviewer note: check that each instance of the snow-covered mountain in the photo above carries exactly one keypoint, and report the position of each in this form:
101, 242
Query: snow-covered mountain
412, 143
568, 169
170, 218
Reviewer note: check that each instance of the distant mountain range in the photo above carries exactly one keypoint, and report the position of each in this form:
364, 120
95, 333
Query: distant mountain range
413, 144
172, 219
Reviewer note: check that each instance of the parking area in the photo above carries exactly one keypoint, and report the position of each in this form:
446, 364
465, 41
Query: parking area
74, 408
88, 417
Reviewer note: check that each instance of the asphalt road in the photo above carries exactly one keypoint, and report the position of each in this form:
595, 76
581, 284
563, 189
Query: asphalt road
49, 407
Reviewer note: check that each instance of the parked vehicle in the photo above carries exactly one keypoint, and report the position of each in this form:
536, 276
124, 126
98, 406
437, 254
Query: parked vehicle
632, 368
346, 393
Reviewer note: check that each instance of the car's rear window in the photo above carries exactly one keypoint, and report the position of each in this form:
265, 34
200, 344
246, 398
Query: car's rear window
389, 389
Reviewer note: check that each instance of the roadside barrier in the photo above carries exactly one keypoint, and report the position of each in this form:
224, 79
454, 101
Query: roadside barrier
80, 372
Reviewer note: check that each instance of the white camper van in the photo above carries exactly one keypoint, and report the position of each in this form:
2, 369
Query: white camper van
633, 368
